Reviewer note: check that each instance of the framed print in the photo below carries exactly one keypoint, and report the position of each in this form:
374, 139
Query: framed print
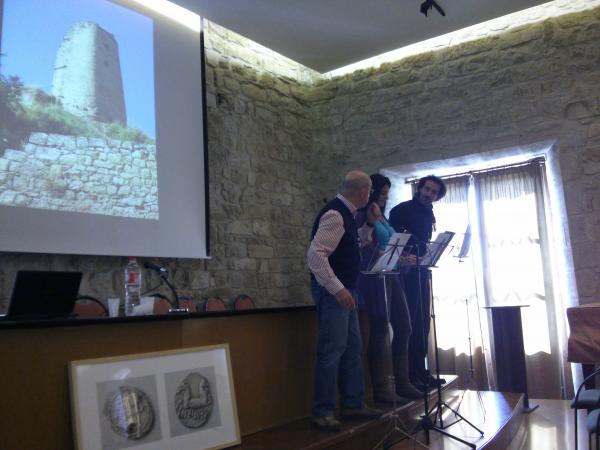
180, 399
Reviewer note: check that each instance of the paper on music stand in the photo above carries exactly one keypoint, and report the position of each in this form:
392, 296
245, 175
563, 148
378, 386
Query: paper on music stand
436, 248
466, 243
393, 249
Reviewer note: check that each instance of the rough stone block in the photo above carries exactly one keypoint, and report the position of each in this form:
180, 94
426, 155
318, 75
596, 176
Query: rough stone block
114, 158
586, 255
235, 249
260, 251
199, 279
47, 153
578, 110
7, 197
97, 142
132, 201
254, 91
261, 228
82, 142
588, 282
241, 227
594, 130
68, 158
14, 155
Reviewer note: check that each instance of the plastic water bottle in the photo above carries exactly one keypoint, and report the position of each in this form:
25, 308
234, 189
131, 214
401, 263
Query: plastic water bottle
133, 285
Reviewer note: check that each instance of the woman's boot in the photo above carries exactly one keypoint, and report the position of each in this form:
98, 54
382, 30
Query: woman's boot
404, 387
380, 367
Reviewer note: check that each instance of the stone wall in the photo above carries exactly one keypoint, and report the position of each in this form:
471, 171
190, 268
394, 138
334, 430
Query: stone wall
538, 82
281, 137
79, 174
262, 171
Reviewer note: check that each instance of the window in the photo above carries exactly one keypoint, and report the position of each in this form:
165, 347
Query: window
502, 213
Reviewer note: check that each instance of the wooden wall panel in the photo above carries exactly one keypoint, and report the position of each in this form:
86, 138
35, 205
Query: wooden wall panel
36, 412
272, 357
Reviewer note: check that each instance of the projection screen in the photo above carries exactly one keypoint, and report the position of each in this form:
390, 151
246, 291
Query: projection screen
102, 131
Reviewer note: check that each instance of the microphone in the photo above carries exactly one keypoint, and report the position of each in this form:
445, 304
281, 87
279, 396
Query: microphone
159, 269
163, 273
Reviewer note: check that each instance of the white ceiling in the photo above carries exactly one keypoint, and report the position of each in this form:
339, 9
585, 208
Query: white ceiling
329, 34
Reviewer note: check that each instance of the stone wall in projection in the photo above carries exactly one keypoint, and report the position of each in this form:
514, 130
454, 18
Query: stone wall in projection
91, 175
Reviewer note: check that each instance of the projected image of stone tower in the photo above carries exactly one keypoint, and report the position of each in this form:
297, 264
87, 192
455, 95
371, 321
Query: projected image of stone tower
87, 74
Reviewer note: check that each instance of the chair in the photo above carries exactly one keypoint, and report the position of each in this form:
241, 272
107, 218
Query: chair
186, 302
88, 307
593, 427
162, 304
243, 301
586, 399
214, 304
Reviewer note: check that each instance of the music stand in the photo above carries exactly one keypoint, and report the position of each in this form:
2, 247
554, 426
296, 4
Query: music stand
383, 266
463, 253
435, 249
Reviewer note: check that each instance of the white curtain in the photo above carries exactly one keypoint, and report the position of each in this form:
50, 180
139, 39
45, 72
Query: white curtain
509, 263
459, 329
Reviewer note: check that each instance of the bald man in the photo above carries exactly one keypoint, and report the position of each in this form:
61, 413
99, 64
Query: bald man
333, 259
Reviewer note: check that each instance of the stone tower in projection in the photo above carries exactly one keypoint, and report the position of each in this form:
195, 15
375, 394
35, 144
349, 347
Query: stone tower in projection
87, 74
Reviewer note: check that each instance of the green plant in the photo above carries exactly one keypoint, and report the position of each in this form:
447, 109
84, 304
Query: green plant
11, 134
46, 114
115, 130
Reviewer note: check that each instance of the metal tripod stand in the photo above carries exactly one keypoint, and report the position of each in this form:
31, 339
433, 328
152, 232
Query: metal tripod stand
394, 418
436, 423
384, 266
471, 365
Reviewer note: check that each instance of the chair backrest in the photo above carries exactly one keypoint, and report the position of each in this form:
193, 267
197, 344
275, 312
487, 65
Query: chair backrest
214, 304
575, 404
243, 301
161, 305
185, 302
86, 308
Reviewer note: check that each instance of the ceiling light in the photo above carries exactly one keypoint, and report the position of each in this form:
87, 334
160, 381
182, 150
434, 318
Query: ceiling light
174, 12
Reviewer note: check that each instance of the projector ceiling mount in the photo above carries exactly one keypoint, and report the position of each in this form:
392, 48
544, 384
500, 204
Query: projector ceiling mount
429, 4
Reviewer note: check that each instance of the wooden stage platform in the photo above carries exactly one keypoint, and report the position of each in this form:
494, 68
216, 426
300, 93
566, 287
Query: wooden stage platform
498, 415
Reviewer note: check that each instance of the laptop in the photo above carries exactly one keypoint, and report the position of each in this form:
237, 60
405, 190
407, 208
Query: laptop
43, 295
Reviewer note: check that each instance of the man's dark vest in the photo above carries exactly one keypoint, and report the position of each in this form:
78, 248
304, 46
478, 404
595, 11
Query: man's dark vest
345, 259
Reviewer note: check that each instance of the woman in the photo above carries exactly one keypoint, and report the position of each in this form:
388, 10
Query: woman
372, 298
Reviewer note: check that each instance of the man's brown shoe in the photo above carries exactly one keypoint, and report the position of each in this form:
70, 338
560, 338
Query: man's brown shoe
364, 412
326, 423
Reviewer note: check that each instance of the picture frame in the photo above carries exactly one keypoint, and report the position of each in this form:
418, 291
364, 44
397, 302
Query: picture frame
182, 399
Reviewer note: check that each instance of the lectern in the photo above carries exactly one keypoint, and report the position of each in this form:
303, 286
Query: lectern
509, 351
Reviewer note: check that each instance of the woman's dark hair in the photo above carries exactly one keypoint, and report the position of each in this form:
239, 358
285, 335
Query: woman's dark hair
378, 183
437, 181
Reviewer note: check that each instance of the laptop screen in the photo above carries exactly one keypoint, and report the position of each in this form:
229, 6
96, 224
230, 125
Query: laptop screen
43, 294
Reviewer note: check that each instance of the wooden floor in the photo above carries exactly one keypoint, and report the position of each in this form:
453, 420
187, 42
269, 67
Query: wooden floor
499, 415
550, 427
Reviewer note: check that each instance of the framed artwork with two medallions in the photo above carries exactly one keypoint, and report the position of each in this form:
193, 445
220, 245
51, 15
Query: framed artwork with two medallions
182, 399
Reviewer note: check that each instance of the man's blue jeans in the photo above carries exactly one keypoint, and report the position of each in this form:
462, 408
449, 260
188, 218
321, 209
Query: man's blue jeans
338, 355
